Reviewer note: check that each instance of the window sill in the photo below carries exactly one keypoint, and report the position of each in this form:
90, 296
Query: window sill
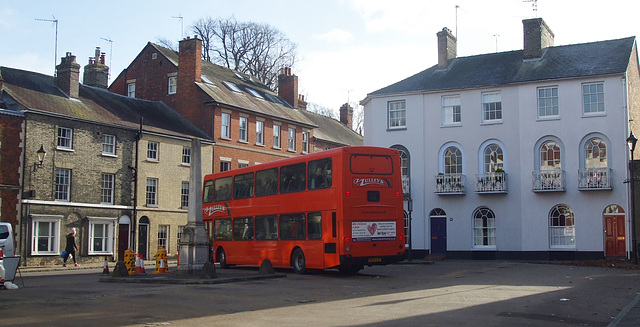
65, 149
291, 150
101, 253
260, 144
491, 122
185, 165
106, 203
595, 114
243, 142
110, 155
547, 118
451, 125
151, 205
225, 138
277, 148
389, 129
152, 160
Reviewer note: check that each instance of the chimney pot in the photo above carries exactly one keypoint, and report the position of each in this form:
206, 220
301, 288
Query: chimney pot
68, 75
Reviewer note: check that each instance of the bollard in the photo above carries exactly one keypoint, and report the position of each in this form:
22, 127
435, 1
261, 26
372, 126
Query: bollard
130, 261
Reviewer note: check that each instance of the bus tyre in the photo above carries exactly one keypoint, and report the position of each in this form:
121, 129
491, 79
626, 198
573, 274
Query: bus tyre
222, 258
298, 262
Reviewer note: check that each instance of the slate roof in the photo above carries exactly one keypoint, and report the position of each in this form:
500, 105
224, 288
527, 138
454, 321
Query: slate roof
34, 91
267, 103
559, 62
333, 131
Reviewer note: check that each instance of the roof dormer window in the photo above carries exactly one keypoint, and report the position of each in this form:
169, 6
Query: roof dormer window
232, 87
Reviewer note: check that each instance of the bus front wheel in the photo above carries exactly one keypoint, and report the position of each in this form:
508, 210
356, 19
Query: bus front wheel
222, 258
298, 262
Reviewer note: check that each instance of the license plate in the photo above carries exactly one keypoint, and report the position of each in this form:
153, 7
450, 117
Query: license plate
375, 259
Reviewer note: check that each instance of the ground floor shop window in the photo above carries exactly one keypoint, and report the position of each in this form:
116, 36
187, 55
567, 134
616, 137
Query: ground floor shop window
163, 237
100, 236
46, 234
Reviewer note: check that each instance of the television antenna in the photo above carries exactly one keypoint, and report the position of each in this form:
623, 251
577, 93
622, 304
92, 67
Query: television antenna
110, 56
496, 36
55, 59
534, 5
181, 24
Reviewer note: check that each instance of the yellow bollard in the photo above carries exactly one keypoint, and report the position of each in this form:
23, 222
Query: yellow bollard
130, 261
161, 261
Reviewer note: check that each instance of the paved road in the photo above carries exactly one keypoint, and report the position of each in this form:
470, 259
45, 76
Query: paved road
446, 293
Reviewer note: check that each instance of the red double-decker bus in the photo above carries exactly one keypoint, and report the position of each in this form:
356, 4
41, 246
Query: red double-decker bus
340, 208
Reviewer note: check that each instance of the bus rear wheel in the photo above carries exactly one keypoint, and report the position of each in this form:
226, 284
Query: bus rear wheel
221, 257
298, 262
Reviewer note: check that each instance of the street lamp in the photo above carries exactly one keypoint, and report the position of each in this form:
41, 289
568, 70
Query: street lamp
631, 142
41, 155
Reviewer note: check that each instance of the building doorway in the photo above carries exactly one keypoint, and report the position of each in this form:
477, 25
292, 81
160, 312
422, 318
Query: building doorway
615, 232
438, 231
143, 237
124, 228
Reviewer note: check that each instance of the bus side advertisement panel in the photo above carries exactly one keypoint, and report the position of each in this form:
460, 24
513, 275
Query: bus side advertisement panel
373, 231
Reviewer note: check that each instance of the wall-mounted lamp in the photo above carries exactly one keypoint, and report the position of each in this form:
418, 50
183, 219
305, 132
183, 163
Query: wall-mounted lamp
41, 155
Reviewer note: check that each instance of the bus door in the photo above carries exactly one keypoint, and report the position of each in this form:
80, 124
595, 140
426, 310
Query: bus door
331, 256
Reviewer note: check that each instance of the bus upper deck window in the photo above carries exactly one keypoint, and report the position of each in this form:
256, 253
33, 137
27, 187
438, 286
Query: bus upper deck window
373, 196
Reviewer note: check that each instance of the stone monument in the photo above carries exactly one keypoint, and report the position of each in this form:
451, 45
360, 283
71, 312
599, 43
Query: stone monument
194, 243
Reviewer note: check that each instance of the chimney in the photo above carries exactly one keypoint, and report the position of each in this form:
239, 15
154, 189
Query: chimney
447, 48
302, 105
190, 61
68, 75
288, 86
96, 73
346, 115
537, 37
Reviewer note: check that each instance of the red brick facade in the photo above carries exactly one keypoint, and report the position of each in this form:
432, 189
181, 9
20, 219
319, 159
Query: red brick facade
10, 166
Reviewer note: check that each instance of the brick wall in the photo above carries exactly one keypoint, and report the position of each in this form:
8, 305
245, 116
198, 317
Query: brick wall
10, 163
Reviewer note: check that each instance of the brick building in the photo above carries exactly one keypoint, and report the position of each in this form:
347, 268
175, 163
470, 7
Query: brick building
249, 123
11, 124
115, 167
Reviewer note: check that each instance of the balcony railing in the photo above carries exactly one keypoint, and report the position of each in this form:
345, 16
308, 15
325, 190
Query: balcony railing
594, 179
450, 184
548, 180
495, 182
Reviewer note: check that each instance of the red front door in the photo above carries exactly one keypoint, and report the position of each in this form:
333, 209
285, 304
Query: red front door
614, 236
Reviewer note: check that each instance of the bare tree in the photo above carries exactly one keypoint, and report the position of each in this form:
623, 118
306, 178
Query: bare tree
163, 41
358, 119
322, 110
255, 49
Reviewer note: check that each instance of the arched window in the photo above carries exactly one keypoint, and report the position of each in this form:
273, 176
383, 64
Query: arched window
562, 226
484, 228
452, 160
437, 212
404, 168
550, 156
595, 151
493, 158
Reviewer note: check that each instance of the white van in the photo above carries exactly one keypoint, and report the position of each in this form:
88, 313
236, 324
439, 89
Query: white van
6, 239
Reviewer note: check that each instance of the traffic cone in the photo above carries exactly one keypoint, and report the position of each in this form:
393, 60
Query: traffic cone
105, 267
138, 266
162, 269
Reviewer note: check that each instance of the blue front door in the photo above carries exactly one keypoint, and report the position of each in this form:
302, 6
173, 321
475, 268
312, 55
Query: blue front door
439, 235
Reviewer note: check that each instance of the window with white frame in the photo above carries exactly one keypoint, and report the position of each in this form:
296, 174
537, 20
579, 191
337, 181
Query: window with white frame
180, 232
276, 136
225, 125
152, 192
562, 227
163, 237
63, 183
592, 98
260, 132
595, 150
292, 139
491, 107
452, 161
152, 151
550, 156
46, 235
242, 165
100, 236
305, 142
484, 228
186, 155
173, 84
493, 158
451, 114
107, 187
108, 144
243, 129
184, 195
131, 90
397, 114
548, 102
65, 138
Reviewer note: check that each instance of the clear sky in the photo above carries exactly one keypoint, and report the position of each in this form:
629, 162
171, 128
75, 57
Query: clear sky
347, 48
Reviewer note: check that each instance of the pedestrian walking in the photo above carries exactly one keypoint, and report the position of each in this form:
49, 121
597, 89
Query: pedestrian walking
71, 248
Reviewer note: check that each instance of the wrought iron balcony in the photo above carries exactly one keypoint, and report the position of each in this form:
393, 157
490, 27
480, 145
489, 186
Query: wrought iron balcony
548, 180
495, 182
594, 179
450, 184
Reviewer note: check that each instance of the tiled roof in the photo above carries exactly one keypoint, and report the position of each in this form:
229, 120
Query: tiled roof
38, 92
266, 103
560, 62
332, 130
